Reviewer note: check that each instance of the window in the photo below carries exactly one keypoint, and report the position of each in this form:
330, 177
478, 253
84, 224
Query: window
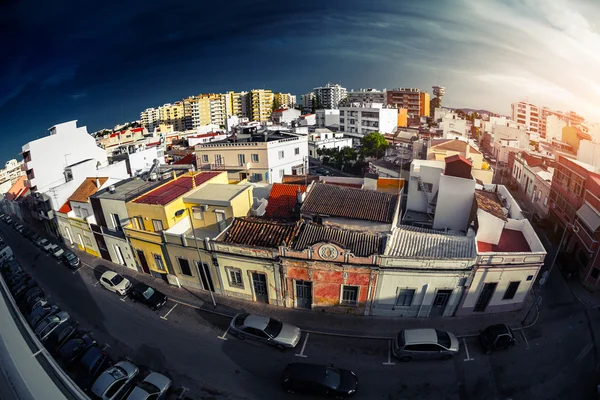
281, 154
242, 159
511, 290
235, 277
184, 265
427, 186
349, 295
281, 173
218, 159
68, 175
117, 222
405, 297
115, 388
197, 213
84, 213
256, 177
159, 262
157, 225
582, 257
546, 201
138, 223
310, 153
297, 151
205, 158
530, 277
595, 273
254, 157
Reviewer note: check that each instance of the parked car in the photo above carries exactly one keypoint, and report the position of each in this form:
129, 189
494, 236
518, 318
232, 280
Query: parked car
33, 304
42, 242
115, 283
317, 380
17, 278
35, 237
19, 290
30, 296
147, 295
60, 336
91, 365
41, 312
10, 267
71, 260
50, 323
153, 387
412, 344
113, 383
268, 330
56, 251
496, 337
47, 246
74, 348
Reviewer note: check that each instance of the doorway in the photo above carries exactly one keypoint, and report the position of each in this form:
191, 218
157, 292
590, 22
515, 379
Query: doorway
221, 223
207, 283
304, 294
485, 296
143, 262
259, 281
439, 303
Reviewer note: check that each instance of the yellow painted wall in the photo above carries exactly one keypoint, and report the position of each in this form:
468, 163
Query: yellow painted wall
149, 250
402, 117
189, 253
240, 206
424, 104
80, 227
247, 265
569, 135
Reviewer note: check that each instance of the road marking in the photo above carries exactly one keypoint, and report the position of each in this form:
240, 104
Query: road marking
123, 298
583, 353
389, 360
96, 284
37, 352
169, 312
224, 334
526, 341
303, 347
106, 346
183, 390
467, 350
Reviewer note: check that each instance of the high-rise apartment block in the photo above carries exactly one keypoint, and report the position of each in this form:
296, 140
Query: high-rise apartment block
150, 119
366, 96
261, 101
527, 114
172, 114
284, 100
329, 96
413, 100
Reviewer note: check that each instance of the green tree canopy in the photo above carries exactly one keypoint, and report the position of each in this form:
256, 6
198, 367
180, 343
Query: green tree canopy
276, 104
374, 145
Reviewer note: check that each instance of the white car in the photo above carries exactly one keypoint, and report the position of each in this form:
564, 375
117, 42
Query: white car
47, 246
154, 387
114, 382
115, 283
56, 251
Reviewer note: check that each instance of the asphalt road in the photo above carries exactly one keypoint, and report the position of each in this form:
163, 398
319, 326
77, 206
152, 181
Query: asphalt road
554, 360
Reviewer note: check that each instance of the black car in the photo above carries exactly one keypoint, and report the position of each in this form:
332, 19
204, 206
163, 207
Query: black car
71, 260
29, 296
60, 336
20, 290
17, 279
148, 295
41, 312
75, 348
34, 238
91, 365
319, 380
11, 267
496, 337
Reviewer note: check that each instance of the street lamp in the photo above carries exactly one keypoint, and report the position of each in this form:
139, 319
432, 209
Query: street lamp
179, 213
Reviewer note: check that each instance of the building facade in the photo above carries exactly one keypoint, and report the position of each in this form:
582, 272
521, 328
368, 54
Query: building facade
330, 95
362, 119
413, 100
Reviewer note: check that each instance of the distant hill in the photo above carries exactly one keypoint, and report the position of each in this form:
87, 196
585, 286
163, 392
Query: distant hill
470, 110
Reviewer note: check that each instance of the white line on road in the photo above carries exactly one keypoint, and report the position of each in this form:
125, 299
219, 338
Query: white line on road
37, 352
467, 350
106, 346
303, 347
183, 390
224, 334
169, 312
389, 361
96, 284
583, 353
124, 298
526, 341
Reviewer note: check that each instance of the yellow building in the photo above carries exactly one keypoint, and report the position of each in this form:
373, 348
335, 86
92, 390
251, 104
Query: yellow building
261, 101
172, 114
284, 100
402, 117
240, 104
424, 104
442, 148
573, 135
154, 212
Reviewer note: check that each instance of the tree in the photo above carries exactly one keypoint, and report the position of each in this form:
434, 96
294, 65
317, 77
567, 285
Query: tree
276, 104
373, 145
316, 104
436, 102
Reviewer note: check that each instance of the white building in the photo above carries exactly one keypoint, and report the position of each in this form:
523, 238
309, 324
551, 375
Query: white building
150, 118
259, 157
325, 139
285, 115
364, 118
12, 171
554, 127
330, 95
327, 118
511, 131
306, 100
366, 96
206, 138
308, 120
527, 114
454, 127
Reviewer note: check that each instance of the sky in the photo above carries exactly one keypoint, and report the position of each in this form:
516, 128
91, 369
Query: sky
103, 62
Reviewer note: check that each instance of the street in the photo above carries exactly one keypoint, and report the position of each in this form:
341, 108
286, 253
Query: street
555, 359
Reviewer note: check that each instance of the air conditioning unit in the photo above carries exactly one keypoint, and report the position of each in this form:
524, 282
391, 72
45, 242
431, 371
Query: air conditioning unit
204, 207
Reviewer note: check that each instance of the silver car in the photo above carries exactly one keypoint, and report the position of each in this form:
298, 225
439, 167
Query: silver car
114, 382
154, 387
50, 323
412, 344
268, 330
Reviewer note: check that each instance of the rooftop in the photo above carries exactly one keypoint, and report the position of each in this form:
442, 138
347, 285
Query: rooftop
282, 200
188, 159
454, 145
300, 179
457, 157
511, 241
415, 242
259, 233
490, 203
86, 189
175, 188
336, 201
359, 243
216, 194
531, 160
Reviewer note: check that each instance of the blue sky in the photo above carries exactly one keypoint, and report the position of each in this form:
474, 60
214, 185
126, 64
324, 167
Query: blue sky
103, 63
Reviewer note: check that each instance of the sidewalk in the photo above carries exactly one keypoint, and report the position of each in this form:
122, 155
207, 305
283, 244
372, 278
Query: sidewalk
317, 322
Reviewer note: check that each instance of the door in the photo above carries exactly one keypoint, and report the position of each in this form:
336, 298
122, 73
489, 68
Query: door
486, 295
304, 294
207, 283
243, 175
440, 302
221, 223
143, 262
259, 281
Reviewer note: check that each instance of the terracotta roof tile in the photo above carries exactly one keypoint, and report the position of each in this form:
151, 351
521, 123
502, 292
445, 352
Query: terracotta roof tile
260, 233
531, 160
282, 200
300, 179
66, 208
361, 244
490, 203
87, 188
188, 159
457, 157
352, 203
16, 190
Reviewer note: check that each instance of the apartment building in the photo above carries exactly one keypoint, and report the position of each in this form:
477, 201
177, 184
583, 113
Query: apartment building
323, 138
284, 100
306, 100
364, 118
366, 96
325, 118
172, 114
330, 95
150, 118
413, 100
261, 104
527, 114
285, 116
12, 170
262, 156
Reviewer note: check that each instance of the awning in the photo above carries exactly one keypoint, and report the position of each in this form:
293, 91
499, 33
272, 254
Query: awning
589, 216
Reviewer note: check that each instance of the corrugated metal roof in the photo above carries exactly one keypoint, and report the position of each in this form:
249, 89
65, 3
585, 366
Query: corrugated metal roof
336, 201
259, 233
359, 243
414, 242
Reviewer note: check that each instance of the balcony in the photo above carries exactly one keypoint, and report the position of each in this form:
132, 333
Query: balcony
47, 215
588, 241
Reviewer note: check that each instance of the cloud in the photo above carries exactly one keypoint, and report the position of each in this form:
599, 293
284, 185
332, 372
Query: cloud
78, 96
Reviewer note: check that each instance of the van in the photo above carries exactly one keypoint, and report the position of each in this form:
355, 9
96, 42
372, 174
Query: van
415, 344
5, 254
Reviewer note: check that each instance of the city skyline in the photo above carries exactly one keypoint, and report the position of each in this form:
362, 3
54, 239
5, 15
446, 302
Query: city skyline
486, 55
